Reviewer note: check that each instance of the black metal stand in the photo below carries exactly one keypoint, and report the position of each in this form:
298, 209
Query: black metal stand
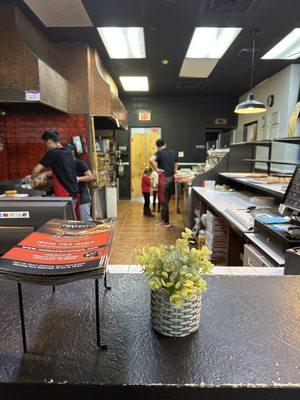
105, 282
102, 346
22, 317
21, 309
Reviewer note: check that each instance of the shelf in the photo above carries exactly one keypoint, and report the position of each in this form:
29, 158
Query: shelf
268, 189
262, 142
266, 143
291, 140
269, 161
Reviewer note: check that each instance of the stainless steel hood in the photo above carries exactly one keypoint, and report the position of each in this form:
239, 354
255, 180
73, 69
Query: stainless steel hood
68, 77
30, 70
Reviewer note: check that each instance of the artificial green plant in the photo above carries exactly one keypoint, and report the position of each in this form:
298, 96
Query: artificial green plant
177, 268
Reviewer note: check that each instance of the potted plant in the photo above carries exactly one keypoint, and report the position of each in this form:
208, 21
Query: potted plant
175, 278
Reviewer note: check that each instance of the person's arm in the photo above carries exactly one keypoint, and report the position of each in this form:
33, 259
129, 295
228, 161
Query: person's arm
153, 163
175, 164
37, 169
45, 162
36, 173
49, 174
87, 177
152, 182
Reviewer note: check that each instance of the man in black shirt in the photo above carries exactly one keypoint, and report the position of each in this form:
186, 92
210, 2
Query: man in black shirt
62, 165
165, 163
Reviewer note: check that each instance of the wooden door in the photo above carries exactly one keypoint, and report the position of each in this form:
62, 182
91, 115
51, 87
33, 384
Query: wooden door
142, 148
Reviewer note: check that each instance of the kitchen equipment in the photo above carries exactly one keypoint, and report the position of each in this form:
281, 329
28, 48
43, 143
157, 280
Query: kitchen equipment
276, 235
246, 216
111, 202
292, 262
255, 258
19, 217
282, 235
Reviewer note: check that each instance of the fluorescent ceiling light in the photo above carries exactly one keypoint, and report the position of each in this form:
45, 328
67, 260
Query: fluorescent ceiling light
124, 42
287, 49
135, 83
211, 42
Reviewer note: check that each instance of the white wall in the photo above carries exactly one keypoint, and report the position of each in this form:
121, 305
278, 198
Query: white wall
284, 86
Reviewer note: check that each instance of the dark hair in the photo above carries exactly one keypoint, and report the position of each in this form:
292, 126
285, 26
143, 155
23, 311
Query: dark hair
72, 147
50, 135
147, 171
160, 143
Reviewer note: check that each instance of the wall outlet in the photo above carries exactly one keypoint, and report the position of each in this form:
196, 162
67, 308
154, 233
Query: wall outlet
181, 154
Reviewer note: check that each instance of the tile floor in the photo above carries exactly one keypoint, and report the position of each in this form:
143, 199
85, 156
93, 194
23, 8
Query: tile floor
133, 230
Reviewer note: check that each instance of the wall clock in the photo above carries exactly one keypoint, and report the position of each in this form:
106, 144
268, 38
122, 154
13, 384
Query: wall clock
270, 100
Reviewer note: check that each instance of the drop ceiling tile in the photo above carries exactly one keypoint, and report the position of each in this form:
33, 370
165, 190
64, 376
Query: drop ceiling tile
60, 13
197, 68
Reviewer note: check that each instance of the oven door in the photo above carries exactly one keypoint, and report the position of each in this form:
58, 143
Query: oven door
12, 235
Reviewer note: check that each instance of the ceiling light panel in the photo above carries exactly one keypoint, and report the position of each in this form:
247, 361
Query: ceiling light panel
287, 49
123, 43
135, 83
211, 42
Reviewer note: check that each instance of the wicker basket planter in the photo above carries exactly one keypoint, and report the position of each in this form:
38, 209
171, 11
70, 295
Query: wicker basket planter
171, 321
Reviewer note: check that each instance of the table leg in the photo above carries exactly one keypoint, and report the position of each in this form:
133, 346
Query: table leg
102, 346
22, 317
105, 282
53, 289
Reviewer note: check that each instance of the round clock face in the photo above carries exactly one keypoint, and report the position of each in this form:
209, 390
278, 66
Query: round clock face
270, 100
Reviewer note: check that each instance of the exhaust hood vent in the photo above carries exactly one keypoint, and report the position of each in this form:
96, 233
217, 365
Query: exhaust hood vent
234, 6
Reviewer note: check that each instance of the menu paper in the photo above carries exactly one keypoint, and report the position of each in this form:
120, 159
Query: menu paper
61, 247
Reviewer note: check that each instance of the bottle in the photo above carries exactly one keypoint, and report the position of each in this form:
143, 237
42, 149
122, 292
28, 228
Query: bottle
201, 238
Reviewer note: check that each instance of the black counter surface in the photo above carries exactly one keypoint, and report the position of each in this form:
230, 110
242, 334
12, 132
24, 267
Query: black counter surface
16, 184
247, 346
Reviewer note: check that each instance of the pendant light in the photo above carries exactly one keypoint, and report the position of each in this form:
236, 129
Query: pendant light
251, 106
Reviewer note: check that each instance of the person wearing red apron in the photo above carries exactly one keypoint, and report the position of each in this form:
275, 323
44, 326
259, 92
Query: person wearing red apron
165, 163
60, 160
60, 191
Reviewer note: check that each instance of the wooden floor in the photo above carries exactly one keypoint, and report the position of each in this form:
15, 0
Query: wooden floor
134, 230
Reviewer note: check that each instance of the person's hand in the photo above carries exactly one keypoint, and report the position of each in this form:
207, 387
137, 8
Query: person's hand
27, 178
41, 177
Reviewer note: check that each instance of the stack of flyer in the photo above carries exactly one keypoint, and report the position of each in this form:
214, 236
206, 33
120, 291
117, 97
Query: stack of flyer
59, 252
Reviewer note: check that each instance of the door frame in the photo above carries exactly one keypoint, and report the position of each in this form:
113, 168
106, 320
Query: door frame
130, 137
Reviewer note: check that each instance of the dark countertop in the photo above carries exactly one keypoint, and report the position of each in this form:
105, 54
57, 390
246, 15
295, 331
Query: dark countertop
17, 184
248, 345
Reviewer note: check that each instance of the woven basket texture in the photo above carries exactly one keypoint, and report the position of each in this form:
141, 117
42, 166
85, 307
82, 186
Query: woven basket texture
171, 321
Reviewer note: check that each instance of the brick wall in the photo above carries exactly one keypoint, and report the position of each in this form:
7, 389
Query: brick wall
21, 135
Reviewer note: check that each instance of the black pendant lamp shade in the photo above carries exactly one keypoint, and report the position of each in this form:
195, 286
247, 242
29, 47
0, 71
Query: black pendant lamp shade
251, 106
